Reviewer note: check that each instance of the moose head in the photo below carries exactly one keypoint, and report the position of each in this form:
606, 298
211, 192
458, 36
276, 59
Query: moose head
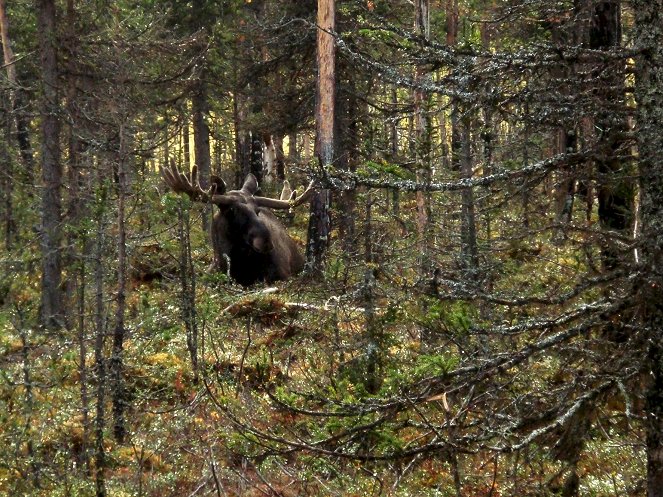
248, 240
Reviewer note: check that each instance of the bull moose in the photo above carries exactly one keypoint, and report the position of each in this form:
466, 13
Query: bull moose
248, 240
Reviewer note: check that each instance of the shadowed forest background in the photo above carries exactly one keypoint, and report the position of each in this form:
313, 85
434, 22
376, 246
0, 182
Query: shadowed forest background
480, 310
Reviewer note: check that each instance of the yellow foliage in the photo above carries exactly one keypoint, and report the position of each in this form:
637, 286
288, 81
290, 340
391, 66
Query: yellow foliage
163, 359
147, 460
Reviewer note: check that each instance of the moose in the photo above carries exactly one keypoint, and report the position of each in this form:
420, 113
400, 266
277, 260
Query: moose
248, 240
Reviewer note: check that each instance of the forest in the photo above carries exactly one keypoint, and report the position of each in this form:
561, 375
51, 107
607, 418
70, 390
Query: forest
331, 248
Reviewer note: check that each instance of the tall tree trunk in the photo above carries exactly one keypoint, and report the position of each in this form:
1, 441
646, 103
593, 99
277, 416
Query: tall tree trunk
452, 38
7, 181
293, 151
201, 146
393, 132
255, 161
199, 110
280, 157
117, 354
78, 240
242, 138
374, 347
17, 98
422, 139
100, 340
649, 96
269, 158
615, 191
319, 222
188, 293
52, 308
186, 145
345, 130
468, 232
461, 160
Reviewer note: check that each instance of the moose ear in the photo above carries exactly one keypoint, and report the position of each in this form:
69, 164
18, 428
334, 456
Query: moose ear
250, 185
218, 184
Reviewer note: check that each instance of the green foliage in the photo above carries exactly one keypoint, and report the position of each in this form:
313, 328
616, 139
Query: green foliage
434, 365
456, 317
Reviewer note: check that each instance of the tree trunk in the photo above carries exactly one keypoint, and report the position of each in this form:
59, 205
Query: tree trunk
319, 221
452, 38
422, 141
188, 292
186, 145
201, 147
280, 157
393, 132
255, 162
615, 190
242, 138
99, 343
17, 98
7, 181
345, 136
468, 232
52, 308
649, 96
293, 151
78, 238
269, 158
117, 354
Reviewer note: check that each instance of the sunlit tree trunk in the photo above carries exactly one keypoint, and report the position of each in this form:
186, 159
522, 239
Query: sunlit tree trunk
280, 157
199, 111
199, 107
293, 151
422, 139
319, 221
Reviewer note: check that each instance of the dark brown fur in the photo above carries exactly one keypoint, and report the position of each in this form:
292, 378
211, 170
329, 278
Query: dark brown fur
253, 241
249, 242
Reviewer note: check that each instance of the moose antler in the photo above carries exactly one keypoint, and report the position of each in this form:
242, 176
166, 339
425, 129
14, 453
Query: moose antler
189, 184
292, 202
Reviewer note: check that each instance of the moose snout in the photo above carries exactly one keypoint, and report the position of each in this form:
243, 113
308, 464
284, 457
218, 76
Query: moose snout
259, 244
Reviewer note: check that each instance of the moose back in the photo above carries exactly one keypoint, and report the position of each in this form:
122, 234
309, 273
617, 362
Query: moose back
248, 240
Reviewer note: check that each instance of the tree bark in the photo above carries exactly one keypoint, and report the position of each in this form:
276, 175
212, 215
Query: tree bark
117, 354
393, 133
614, 191
649, 96
52, 308
7, 181
17, 98
422, 145
200, 109
99, 344
242, 138
468, 231
255, 162
319, 220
